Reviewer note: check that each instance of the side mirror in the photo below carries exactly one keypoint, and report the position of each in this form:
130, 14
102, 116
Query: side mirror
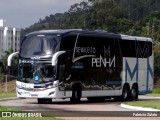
55, 57
9, 60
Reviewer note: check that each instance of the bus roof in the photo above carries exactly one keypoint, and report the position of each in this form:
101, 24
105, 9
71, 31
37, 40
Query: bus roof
64, 32
61, 31
127, 37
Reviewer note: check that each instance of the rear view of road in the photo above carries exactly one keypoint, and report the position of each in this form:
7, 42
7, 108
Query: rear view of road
63, 108
63, 105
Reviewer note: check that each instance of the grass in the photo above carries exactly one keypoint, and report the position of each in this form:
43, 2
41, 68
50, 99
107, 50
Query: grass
154, 95
30, 118
7, 109
8, 90
156, 91
8, 95
7, 87
147, 104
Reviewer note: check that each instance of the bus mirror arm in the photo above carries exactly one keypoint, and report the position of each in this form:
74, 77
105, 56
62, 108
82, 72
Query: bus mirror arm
9, 60
55, 57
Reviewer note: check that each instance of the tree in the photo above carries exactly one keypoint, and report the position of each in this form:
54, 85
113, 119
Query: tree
157, 60
77, 16
132, 17
4, 68
151, 27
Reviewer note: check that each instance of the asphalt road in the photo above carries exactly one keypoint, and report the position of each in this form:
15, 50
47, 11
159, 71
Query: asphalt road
63, 108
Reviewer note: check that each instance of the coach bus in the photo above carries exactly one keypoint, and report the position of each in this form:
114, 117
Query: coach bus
77, 64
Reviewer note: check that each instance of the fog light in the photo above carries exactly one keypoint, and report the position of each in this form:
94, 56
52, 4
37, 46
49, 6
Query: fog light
51, 93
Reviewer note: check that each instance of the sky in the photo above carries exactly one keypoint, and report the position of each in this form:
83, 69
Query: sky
23, 13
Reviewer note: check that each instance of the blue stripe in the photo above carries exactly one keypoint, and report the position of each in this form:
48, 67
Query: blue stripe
149, 70
137, 70
131, 74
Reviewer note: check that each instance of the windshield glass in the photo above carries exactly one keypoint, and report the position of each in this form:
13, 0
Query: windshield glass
36, 73
40, 45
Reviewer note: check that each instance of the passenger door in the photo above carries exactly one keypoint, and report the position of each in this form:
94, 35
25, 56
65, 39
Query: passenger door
64, 72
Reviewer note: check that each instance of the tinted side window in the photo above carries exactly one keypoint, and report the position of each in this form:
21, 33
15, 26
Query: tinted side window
68, 43
128, 48
143, 49
132, 48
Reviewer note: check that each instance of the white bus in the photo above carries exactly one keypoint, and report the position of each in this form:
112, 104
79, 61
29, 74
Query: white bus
73, 64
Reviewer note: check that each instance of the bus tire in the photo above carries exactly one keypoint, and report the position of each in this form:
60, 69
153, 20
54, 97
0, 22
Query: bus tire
134, 92
43, 101
126, 95
76, 94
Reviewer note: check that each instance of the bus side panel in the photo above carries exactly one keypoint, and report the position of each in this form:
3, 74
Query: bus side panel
130, 70
142, 75
150, 73
138, 70
100, 93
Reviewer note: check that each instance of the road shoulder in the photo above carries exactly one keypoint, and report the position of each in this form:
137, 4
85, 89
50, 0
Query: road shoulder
138, 108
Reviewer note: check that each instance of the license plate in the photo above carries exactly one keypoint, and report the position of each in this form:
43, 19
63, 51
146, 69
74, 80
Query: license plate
34, 95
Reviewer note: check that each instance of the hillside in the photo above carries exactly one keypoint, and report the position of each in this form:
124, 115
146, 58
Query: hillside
138, 17
132, 17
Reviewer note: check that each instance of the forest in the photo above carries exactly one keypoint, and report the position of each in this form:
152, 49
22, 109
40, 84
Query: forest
131, 17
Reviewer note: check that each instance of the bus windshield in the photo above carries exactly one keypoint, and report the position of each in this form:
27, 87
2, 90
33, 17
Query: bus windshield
38, 45
36, 73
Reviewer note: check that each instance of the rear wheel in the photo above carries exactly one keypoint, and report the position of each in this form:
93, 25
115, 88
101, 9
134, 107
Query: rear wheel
126, 95
43, 100
134, 92
76, 94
